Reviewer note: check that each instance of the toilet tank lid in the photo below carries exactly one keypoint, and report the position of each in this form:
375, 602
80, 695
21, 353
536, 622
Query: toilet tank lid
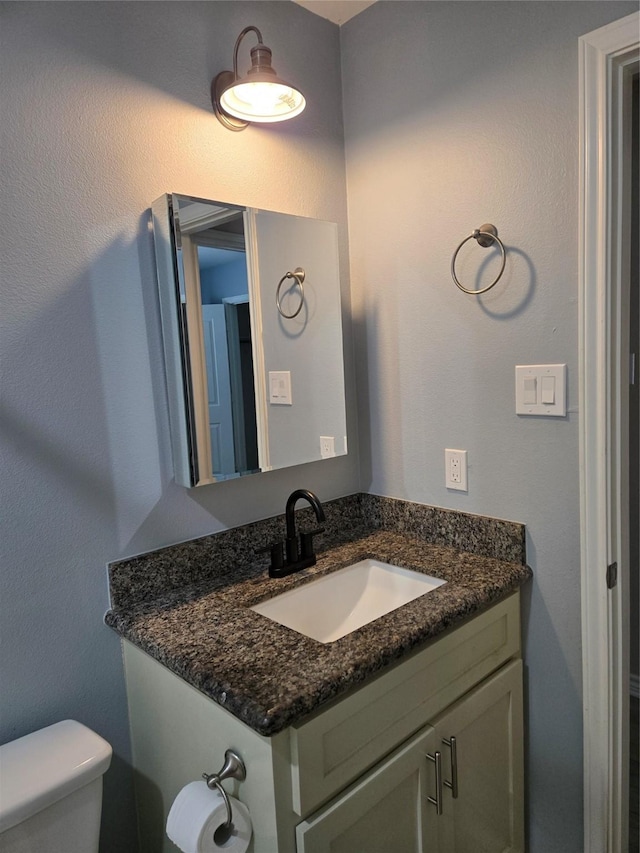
41, 768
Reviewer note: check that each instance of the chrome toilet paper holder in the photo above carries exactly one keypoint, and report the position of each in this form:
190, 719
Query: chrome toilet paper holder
233, 768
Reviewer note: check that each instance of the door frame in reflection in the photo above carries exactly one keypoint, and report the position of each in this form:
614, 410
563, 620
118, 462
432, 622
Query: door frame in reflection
228, 342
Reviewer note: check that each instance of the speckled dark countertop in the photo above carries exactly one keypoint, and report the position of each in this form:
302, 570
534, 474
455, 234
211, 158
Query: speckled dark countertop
187, 606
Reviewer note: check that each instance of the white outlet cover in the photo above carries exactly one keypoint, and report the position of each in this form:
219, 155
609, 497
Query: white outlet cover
327, 446
455, 460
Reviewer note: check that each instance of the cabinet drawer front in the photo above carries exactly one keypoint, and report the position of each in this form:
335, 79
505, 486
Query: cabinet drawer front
340, 743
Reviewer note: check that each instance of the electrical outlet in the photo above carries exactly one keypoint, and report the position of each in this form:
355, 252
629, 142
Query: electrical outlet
455, 467
327, 446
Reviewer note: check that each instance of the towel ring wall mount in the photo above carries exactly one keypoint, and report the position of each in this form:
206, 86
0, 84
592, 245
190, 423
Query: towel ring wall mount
486, 235
299, 275
233, 768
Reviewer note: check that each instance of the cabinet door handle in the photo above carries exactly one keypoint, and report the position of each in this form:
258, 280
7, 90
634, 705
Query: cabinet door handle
453, 784
437, 800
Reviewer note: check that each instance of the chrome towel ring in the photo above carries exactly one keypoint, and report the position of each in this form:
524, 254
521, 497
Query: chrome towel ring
486, 235
299, 275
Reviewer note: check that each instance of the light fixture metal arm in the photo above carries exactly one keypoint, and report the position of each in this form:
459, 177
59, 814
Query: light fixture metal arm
249, 29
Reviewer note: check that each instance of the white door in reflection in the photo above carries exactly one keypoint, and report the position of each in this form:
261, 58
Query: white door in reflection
218, 390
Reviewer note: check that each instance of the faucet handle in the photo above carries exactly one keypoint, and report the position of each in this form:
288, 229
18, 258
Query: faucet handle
306, 542
277, 556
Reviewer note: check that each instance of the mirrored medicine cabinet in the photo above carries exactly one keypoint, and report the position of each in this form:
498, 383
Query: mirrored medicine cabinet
252, 332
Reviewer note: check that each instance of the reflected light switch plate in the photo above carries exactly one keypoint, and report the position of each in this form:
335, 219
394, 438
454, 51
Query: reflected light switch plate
280, 387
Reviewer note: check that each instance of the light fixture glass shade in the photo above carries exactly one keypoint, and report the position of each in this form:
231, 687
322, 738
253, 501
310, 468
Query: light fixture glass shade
267, 100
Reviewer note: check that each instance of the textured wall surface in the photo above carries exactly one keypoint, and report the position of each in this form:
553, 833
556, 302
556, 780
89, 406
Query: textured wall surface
105, 106
466, 113
455, 114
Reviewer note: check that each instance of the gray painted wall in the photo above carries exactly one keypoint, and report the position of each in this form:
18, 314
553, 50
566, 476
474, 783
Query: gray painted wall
105, 106
456, 114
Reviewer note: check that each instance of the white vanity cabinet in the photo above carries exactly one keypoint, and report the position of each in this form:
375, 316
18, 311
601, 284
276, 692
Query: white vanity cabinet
455, 787
359, 775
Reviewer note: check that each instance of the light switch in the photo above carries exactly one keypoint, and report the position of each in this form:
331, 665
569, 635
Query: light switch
541, 389
280, 387
548, 390
530, 395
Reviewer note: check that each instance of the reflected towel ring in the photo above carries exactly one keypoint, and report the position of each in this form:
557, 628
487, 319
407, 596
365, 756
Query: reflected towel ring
485, 236
299, 275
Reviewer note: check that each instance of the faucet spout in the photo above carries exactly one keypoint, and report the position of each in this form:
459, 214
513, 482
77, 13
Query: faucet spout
292, 500
295, 553
298, 551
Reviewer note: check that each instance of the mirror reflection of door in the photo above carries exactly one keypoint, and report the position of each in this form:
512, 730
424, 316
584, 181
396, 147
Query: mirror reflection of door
229, 361
241, 375
219, 391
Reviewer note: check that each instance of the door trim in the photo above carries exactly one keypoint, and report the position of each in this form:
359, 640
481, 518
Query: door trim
602, 54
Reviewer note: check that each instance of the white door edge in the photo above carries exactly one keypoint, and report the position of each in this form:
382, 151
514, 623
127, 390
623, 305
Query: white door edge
601, 53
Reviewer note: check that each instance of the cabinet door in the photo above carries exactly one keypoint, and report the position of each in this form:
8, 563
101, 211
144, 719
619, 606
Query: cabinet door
388, 810
485, 813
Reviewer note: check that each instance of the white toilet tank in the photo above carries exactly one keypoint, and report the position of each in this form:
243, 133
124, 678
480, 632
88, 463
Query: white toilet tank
51, 790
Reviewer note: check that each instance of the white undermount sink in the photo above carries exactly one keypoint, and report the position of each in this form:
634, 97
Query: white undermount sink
338, 603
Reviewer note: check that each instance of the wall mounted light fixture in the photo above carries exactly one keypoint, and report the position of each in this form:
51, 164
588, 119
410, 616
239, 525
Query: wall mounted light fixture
261, 96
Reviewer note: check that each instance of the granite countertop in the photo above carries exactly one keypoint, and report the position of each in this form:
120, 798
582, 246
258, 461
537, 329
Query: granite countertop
271, 677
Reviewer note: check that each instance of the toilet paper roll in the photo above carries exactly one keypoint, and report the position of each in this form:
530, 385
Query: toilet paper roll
197, 812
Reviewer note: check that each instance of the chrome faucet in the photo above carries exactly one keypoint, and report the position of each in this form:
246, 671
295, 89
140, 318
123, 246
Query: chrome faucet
295, 553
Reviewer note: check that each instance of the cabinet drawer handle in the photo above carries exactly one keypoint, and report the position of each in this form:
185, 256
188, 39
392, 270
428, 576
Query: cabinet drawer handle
437, 800
453, 784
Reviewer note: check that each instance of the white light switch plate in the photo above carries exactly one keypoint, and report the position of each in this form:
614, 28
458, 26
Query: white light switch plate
280, 387
541, 389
